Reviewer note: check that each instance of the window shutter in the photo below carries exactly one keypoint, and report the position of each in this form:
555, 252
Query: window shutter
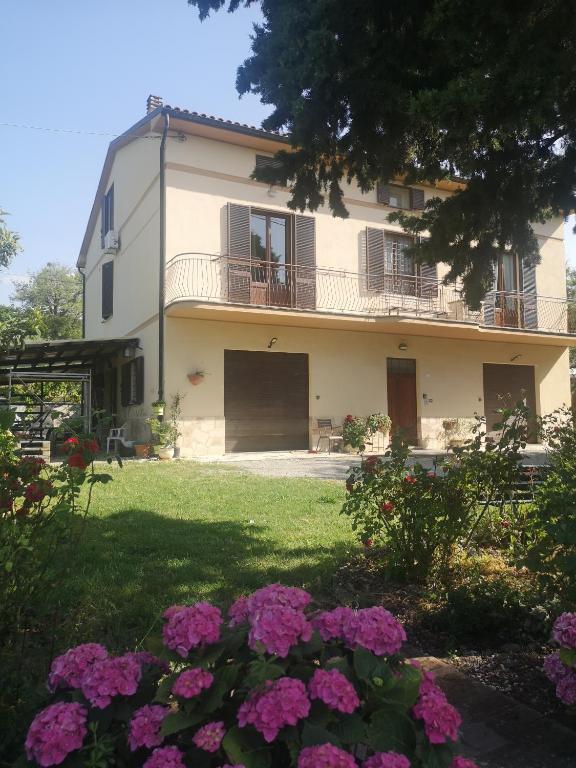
375, 259
263, 161
238, 247
530, 302
110, 198
102, 221
416, 199
305, 261
107, 289
138, 363
428, 281
125, 385
489, 305
383, 193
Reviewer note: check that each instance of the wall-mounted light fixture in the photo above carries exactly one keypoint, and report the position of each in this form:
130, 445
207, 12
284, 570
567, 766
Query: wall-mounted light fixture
272, 341
402, 346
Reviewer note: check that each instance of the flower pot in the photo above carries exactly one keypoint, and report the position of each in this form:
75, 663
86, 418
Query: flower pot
141, 450
177, 452
165, 453
195, 378
158, 409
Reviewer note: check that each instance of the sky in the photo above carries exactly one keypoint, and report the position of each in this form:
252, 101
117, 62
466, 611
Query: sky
88, 66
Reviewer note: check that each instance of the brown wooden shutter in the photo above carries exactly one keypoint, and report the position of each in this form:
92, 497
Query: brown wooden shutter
530, 297
238, 253
110, 199
102, 221
107, 289
125, 385
305, 261
383, 193
429, 280
416, 199
375, 259
138, 364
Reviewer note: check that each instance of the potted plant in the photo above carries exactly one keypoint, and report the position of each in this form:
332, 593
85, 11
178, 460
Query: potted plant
158, 407
141, 450
195, 378
379, 422
162, 437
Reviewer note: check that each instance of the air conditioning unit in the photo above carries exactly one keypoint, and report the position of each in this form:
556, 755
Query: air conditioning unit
111, 242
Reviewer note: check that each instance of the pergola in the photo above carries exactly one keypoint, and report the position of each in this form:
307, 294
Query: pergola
71, 360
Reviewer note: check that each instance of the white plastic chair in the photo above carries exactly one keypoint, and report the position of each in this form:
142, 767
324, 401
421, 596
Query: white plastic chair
118, 435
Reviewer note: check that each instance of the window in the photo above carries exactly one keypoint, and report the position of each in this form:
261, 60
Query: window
397, 196
269, 247
264, 161
132, 382
107, 289
107, 214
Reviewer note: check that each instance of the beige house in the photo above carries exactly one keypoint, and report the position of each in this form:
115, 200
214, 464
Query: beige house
293, 318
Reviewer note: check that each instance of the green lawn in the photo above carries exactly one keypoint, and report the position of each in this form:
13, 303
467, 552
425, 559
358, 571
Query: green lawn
177, 532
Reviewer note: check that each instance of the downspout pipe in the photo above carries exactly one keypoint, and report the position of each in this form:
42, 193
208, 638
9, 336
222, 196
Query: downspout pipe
162, 268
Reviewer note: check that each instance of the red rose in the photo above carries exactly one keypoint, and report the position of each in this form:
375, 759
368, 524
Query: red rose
31, 465
92, 446
505, 523
78, 461
431, 475
386, 506
349, 419
368, 543
410, 479
349, 486
35, 492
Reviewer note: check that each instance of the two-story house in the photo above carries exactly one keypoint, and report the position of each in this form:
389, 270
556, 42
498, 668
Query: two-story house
294, 318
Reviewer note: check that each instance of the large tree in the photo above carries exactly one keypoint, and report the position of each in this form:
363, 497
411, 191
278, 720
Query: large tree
55, 292
9, 242
425, 89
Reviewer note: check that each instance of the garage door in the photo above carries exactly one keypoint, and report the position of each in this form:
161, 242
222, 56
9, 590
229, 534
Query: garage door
265, 401
504, 386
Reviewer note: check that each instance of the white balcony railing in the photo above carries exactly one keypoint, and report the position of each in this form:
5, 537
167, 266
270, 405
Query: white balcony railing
229, 280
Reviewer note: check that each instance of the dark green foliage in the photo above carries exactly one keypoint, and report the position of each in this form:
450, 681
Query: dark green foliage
426, 90
553, 555
9, 242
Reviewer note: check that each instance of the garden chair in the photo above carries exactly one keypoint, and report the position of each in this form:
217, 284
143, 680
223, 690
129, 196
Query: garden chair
118, 435
329, 433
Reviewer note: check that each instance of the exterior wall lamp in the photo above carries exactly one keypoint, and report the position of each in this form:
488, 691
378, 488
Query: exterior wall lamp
402, 346
272, 341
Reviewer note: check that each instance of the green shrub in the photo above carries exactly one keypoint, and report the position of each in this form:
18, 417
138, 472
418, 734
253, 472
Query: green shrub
357, 431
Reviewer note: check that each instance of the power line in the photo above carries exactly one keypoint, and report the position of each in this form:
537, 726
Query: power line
68, 130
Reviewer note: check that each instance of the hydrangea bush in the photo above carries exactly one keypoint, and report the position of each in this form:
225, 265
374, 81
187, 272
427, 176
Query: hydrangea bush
275, 684
560, 667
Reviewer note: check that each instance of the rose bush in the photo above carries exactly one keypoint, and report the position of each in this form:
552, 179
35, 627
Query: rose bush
329, 689
560, 667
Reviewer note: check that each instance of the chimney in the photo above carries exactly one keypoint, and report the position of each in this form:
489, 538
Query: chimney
153, 102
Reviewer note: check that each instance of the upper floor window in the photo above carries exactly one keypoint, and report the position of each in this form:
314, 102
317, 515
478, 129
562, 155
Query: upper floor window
397, 196
269, 246
107, 289
265, 161
508, 273
107, 215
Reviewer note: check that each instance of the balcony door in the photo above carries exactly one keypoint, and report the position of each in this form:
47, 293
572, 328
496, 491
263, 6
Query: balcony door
270, 259
508, 310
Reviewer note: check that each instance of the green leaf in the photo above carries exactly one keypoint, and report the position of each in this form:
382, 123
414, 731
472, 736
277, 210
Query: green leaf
246, 749
568, 656
404, 689
351, 729
165, 688
391, 731
368, 666
224, 680
261, 671
315, 734
437, 756
179, 721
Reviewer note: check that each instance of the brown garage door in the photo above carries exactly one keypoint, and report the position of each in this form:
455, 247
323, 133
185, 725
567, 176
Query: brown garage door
265, 401
504, 386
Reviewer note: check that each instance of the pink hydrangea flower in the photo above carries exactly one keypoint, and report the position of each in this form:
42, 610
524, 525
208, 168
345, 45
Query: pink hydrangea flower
387, 760
330, 624
55, 732
238, 612
325, 756
463, 762
210, 736
334, 689
276, 704
145, 726
277, 628
374, 629
192, 682
277, 594
441, 719
564, 631
566, 688
191, 626
165, 757
145, 657
111, 677
554, 668
67, 670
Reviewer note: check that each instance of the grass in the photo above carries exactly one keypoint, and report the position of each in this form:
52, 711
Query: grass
176, 532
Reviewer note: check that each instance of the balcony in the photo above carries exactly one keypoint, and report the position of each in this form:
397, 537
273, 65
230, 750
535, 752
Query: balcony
204, 280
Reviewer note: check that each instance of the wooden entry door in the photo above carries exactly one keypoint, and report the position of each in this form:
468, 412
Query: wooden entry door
402, 407
504, 386
265, 401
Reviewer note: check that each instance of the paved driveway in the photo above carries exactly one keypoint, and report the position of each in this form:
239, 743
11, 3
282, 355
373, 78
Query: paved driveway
321, 466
